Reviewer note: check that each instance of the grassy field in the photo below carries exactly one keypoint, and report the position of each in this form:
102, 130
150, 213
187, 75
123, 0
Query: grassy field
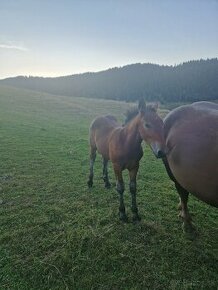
57, 234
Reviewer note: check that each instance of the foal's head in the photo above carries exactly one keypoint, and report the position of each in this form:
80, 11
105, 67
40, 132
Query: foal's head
150, 127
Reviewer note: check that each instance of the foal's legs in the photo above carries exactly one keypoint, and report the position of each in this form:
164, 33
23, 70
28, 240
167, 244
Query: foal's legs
132, 188
105, 173
120, 190
92, 161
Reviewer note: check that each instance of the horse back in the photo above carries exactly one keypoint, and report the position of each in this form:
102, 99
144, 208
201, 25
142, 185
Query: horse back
198, 116
100, 131
203, 105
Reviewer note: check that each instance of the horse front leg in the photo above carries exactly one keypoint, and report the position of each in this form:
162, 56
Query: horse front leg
105, 173
184, 212
183, 193
120, 189
91, 166
132, 188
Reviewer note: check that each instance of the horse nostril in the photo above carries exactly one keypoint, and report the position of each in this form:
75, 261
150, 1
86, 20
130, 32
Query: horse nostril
160, 154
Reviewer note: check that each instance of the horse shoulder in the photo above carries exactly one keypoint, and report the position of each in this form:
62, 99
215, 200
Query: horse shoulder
121, 151
176, 118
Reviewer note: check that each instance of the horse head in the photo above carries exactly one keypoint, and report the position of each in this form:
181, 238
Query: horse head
151, 128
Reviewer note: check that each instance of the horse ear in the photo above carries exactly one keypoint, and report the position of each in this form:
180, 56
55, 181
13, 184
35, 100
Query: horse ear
152, 107
142, 105
155, 106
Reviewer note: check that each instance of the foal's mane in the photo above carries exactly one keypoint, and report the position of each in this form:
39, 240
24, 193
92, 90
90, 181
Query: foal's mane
132, 112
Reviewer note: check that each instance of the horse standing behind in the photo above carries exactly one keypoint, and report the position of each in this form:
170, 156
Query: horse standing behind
191, 134
122, 145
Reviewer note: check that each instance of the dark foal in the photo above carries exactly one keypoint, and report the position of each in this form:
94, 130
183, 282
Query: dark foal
122, 145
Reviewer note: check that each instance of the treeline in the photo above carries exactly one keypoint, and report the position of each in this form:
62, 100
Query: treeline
190, 81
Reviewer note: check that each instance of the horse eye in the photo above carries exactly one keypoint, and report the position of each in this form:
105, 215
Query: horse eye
147, 125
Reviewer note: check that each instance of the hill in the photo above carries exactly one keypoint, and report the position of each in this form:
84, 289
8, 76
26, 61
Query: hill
190, 81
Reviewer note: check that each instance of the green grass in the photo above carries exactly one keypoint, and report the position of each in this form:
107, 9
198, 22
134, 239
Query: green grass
57, 234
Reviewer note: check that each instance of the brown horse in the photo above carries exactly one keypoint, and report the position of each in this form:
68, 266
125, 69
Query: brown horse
191, 134
122, 145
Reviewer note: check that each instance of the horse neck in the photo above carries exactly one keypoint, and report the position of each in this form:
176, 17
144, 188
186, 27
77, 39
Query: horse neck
131, 132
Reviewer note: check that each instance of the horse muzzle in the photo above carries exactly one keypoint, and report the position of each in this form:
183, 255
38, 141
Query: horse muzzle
158, 149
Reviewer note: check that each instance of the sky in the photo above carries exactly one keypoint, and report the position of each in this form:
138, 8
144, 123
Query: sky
64, 37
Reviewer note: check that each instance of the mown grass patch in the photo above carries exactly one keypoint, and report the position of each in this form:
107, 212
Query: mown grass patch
57, 234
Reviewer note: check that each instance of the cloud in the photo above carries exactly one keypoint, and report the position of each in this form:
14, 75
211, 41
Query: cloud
13, 46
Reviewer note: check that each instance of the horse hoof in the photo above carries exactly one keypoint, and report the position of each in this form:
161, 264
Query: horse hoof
123, 217
179, 206
90, 183
189, 230
186, 217
107, 185
136, 218
188, 227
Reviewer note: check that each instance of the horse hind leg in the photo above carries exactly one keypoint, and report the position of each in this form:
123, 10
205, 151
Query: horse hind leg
91, 166
105, 173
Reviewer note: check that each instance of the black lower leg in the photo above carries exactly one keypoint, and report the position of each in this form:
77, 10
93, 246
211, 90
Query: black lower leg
184, 212
105, 173
183, 193
92, 161
134, 208
132, 188
122, 210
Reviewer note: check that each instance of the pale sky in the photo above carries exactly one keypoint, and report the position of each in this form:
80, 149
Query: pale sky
62, 37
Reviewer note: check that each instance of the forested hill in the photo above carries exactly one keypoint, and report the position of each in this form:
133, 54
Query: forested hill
190, 81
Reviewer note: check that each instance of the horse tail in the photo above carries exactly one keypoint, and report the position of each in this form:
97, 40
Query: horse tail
92, 142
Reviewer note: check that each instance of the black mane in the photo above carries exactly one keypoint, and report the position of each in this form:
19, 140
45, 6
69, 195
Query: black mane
130, 114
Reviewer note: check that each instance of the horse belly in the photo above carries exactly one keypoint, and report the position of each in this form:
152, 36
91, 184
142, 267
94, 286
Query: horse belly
196, 170
102, 139
102, 148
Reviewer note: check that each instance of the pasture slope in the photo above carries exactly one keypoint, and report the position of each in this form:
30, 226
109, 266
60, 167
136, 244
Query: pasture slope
57, 234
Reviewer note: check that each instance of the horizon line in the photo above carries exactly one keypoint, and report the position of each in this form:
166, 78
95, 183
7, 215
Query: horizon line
110, 68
